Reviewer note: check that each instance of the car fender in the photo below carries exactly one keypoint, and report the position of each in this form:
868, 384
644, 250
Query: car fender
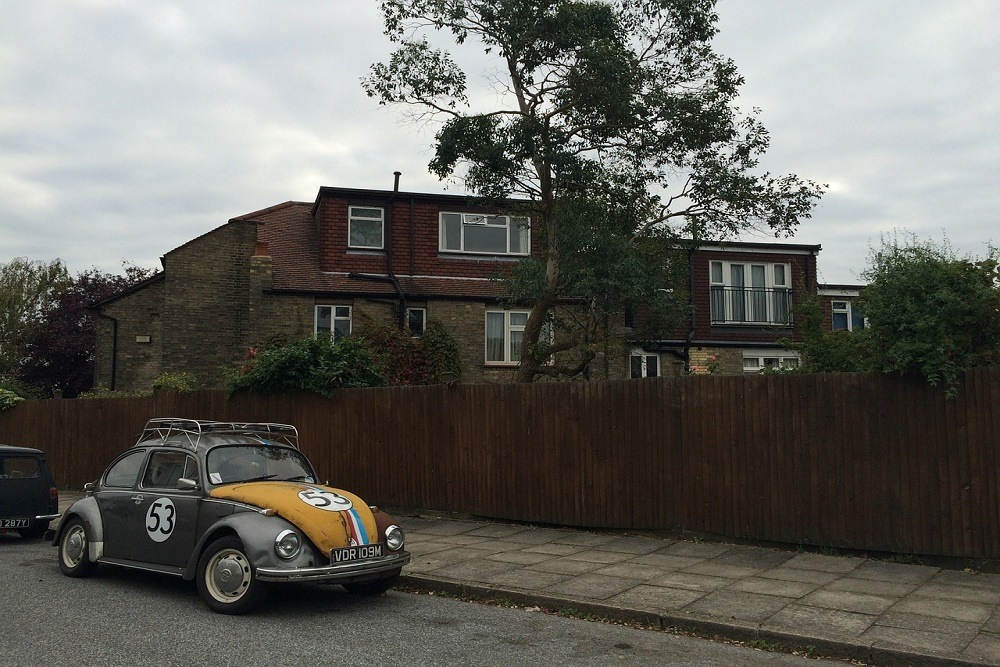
88, 511
255, 530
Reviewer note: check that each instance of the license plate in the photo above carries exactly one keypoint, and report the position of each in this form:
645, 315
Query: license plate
362, 552
13, 523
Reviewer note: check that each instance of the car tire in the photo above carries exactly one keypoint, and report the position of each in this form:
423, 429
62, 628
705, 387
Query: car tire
227, 580
34, 531
74, 543
377, 587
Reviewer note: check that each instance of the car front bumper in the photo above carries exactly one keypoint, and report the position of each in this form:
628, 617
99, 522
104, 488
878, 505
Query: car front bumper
339, 573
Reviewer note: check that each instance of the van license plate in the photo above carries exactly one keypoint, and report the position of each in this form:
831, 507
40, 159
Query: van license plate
13, 523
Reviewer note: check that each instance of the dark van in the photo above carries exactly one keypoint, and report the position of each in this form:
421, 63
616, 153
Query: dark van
29, 499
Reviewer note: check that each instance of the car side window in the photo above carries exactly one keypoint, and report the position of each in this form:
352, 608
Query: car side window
18, 467
164, 469
125, 470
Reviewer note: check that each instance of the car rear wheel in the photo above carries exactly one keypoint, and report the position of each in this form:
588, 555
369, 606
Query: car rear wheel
227, 581
74, 560
376, 587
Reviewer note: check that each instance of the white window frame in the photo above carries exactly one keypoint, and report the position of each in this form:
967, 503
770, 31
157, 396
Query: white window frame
644, 360
756, 361
844, 310
410, 312
338, 313
518, 227
509, 331
751, 306
352, 217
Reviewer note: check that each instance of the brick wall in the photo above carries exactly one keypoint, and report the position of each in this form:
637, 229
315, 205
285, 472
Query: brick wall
138, 341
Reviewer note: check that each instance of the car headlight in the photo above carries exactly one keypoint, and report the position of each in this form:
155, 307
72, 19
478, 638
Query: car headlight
394, 538
287, 544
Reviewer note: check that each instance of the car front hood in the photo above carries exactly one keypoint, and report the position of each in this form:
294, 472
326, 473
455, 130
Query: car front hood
330, 517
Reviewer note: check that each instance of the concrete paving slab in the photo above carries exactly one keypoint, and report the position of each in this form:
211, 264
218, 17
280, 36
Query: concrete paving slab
872, 587
499, 530
755, 558
716, 568
478, 570
972, 612
665, 562
633, 545
788, 589
823, 563
820, 621
972, 579
630, 570
909, 621
528, 580
598, 556
535, 536
861, 603
655, 598
442, 527
785, 573
584, 539
896, 572
564, 566
554, 549
731, 604
984, 649
691, 582
703, 550
993, 624
592, 586
520, 557
944, 591
933, 643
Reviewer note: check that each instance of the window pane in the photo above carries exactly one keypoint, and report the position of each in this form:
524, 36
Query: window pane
18, 467
652, 366
518, 319
494, 337
344, 311
451, 231
635, 366
366, 234
840, 321
717, 272
779, 276
757, 274
485, 239
324, 319
415, 321
341, 328
515, 345
519, 235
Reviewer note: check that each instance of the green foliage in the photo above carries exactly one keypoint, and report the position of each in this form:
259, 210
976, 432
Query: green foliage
405, 360
179, 382
104, 392
8, 399
620, 131
27, 289
318, 365
930, 311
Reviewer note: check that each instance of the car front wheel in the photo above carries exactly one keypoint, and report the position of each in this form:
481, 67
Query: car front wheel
74, 560
227, 581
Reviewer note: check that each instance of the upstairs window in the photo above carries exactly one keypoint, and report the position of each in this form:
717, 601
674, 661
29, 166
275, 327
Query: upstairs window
749, 293
481, 234
333, 320
365, 227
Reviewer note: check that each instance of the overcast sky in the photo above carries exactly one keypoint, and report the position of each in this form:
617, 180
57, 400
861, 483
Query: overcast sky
128, 128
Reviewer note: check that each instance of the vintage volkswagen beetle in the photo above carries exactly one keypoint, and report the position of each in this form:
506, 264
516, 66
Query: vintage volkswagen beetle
29, 499
235, 506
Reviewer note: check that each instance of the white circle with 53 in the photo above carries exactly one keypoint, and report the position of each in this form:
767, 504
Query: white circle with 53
325, 500
160, 519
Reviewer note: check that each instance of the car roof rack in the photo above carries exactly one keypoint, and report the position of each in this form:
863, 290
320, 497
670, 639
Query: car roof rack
161, 428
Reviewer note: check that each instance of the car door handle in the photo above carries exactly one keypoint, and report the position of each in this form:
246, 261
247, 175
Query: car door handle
136, 499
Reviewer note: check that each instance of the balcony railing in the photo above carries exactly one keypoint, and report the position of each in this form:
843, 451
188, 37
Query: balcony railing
770, 306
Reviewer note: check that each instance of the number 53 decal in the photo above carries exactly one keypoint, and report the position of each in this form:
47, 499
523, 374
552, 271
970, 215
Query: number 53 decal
160, 519
325, 500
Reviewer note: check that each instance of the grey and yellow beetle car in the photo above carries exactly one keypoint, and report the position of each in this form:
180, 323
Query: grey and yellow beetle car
234, 506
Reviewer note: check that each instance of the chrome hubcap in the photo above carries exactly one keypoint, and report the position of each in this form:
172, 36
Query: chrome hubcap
74, 546
228, 576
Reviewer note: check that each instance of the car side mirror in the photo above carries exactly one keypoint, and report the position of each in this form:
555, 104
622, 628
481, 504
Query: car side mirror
89, 488
185, 484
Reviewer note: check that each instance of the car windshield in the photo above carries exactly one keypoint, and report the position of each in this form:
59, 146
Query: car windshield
252, 462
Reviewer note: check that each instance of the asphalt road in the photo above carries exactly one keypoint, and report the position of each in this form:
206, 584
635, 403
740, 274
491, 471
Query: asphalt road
123, 617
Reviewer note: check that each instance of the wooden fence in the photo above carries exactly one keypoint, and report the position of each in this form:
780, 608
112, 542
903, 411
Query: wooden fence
844, 460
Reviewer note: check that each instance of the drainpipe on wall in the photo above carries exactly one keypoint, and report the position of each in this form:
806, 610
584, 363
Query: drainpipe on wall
114, 346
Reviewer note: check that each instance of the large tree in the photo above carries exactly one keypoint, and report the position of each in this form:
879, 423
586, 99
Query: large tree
616, 121
27, 288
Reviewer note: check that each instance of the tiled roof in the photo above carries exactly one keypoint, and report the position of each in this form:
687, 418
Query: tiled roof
290, 234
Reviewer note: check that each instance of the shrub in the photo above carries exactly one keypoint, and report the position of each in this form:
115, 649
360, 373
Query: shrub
8, 399
179, 382
319, 365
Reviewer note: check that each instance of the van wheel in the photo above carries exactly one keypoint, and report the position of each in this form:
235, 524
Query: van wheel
227, 581
74, 560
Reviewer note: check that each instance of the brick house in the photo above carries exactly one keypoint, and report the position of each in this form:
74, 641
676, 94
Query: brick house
356, 257
739, 310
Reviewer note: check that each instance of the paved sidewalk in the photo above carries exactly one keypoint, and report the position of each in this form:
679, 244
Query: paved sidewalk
836, 606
